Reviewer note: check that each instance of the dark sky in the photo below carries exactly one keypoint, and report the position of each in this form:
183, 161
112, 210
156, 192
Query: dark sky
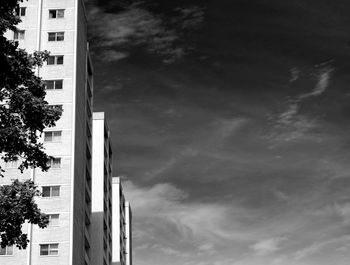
230, 125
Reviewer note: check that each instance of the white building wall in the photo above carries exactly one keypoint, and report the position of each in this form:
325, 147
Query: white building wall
128, 233
118, 232
101, 245
73, 206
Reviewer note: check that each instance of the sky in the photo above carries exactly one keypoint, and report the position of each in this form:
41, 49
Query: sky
230, 127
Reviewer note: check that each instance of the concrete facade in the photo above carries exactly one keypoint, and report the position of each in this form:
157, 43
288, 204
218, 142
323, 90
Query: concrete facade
121, 233
68, 183
101, 219
128, 233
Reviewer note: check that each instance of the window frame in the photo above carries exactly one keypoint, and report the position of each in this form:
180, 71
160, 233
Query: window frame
56, 36
56, 60
51, 191
50, 219
19, 35
54, 138
53, 161
56, 13
19, 11
12, 164
54, 83
6, 253
50, 248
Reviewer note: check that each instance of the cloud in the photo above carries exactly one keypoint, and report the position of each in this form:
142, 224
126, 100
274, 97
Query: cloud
290, 124
267, 246
109, 55
318, 246
323, 79
117, 33
344, 211
295, 74
281, 195
322, 84
228, 127
168, 224
164, 202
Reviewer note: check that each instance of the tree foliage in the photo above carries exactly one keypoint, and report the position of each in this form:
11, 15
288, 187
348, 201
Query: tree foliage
17, 205
24, 114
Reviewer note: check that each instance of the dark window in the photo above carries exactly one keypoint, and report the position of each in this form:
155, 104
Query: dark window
54, 136
51, 191
52, 37
50, 84
48, 249
6, 251
60, 36
51, 60
54, 84
60, 59
56, 13
56, 59
56, 36
18, 35
55, 162
20, 11
59, 84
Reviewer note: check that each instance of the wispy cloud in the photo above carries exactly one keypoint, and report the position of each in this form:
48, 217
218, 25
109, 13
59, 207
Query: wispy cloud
344, 211
294, 74
323, 79
290, 124
166, 222
115, 34
268, 246
318, 246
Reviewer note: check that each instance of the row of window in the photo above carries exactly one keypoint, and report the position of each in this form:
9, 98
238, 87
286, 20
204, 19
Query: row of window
53, 13
54, 162
52, 36
52, 136
45, 250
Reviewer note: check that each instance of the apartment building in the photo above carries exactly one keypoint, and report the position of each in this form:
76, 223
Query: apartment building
122, 219
101, 219
128, 233
59, 26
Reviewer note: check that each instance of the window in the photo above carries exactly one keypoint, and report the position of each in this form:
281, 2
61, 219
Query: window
56, 36
11, 164
56, 13
20, 11
54, 84
48, 249
53, 219
18, 35
54, 136
55, 162
6, 251
56, 59
51, 191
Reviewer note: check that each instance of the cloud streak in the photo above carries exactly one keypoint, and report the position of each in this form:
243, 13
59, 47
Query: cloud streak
268, 246
323, 80
117, 33
290, 124
318, 246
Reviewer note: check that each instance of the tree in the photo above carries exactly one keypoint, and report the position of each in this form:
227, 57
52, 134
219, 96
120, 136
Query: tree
16, 206
24, 114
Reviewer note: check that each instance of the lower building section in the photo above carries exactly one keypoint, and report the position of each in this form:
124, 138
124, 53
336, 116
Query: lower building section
122, 250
